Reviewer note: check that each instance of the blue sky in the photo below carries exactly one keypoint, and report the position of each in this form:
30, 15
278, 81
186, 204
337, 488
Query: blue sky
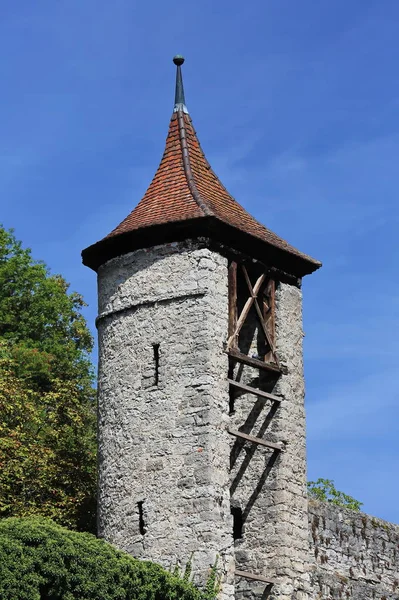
296, 105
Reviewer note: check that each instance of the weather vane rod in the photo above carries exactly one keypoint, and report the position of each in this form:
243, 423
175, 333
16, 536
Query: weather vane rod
180, 102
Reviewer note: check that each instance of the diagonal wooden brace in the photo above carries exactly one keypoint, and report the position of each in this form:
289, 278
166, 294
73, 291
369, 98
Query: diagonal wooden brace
246, 310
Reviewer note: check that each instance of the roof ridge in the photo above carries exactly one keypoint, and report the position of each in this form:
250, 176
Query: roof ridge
187, 166
210, 169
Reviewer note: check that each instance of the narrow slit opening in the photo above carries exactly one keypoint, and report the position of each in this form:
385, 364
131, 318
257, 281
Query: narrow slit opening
237, 522
142, 526
155, 348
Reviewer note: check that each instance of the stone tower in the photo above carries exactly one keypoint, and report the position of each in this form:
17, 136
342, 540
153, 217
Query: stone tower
201, 391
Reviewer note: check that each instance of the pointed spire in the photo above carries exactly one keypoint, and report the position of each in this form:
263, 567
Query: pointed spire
180, 103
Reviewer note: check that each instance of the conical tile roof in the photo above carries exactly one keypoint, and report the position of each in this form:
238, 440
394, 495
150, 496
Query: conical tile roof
185, 199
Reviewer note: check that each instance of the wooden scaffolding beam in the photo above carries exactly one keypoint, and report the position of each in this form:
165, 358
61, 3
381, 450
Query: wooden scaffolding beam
251, 390
255, 362
254, 577
255, 440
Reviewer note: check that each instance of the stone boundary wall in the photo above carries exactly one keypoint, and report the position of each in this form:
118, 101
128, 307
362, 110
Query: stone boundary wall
356, 556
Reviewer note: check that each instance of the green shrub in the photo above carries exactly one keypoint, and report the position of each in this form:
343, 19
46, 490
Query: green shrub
40, 560
324, 490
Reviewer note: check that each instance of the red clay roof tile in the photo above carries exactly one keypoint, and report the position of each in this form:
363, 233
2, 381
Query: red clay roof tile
184, 188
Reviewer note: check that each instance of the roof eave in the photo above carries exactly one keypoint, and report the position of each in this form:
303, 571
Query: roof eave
210, 227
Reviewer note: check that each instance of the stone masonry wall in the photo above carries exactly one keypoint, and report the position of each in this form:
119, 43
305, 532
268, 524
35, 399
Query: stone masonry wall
163, 445
165, 486
356, 556
270, 490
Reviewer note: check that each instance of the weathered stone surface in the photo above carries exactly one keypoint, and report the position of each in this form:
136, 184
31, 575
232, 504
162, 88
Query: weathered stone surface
169, 472
355, 556
163, 447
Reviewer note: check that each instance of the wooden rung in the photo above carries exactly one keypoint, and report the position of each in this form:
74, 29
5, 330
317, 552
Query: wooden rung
255, 362
247, 575
251, 390
255, 440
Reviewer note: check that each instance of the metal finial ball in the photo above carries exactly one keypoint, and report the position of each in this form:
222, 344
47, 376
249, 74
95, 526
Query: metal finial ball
178, 60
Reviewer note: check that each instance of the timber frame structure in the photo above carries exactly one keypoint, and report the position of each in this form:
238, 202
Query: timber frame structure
262, 299
251, 294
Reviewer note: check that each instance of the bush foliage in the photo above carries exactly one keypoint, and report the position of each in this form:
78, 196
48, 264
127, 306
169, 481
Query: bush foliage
40, 560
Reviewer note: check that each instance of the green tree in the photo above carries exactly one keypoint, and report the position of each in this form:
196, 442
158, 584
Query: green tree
47, 399
325, 491
37, 312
